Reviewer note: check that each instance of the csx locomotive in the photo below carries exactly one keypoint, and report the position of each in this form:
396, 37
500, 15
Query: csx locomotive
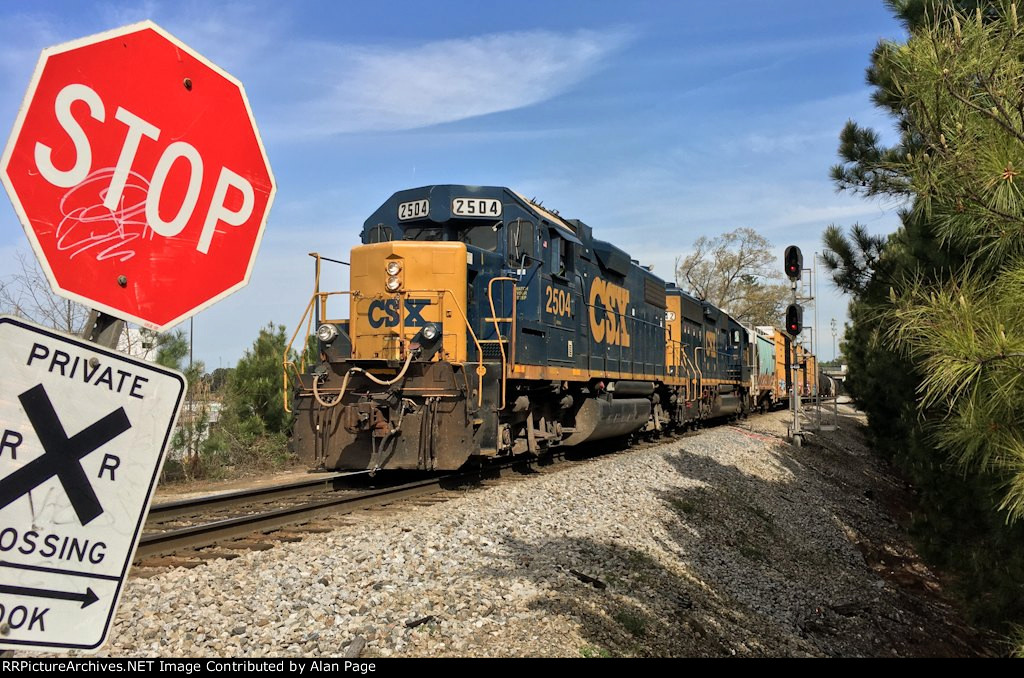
482, 324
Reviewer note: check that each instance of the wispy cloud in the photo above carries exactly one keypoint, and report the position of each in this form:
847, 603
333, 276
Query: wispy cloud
783, 143
387, 88
724, 49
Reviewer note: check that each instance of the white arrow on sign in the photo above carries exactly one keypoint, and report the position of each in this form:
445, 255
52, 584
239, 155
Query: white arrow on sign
83, 433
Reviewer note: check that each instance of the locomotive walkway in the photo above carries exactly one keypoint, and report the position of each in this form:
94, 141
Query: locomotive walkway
724, 543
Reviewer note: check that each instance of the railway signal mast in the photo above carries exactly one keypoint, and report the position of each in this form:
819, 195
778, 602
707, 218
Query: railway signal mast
793, 260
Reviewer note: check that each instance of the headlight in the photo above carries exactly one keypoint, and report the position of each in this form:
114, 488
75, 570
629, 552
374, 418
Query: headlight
393, 267
326, 333
393, 283
429, 332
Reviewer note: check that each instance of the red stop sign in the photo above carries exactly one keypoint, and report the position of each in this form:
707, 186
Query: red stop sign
137, 171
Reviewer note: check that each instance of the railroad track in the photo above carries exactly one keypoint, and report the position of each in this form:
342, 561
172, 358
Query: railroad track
288, 512
189, 531
257, 513
169, 511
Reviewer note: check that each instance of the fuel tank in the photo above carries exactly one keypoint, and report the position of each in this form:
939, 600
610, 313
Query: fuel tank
599, 418
728, 402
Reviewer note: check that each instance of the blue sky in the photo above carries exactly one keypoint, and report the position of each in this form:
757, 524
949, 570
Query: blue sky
654, 122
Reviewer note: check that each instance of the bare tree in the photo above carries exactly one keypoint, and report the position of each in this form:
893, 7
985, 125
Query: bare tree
734, 271
27, 294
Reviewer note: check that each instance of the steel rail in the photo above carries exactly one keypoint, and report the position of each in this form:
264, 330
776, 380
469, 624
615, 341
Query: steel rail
172, 509
169, 541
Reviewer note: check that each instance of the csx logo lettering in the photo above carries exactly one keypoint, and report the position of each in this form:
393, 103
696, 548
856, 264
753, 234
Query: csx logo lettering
615, 301
709, 344
384, 313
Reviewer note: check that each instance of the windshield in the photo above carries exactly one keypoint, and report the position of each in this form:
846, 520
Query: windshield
423, 233
484, 237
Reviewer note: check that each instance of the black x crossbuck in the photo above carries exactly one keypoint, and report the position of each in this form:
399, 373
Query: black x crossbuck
61, 455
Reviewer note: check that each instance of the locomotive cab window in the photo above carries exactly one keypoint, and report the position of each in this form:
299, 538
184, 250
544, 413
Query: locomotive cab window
560, 256
380, 233
521, 242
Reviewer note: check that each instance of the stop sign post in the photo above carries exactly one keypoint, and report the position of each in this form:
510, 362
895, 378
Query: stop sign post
137, 170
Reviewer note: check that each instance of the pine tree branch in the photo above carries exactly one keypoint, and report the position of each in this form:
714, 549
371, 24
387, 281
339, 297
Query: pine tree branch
1002, 356
977, 200
987, 113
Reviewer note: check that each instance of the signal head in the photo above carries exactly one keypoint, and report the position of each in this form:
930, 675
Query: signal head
794, 319
794, 262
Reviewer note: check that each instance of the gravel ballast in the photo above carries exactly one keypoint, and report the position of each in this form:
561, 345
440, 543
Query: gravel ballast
726, 543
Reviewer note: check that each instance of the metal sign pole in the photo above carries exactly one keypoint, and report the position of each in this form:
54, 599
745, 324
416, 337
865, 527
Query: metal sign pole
797, 435
103, 329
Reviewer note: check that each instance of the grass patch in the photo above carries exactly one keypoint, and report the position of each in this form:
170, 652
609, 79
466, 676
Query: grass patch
751, 552
594, 653
636, 624
683, 505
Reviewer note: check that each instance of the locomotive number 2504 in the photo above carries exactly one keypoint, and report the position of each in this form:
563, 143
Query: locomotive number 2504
476, 207
414, 209
558, 301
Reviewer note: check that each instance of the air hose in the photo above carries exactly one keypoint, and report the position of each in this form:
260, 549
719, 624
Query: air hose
344, 382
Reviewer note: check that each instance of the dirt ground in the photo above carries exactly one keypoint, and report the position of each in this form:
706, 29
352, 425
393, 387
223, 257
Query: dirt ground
878, 505
873, 506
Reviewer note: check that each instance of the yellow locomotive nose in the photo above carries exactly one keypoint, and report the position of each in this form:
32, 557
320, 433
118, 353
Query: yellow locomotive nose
404, 288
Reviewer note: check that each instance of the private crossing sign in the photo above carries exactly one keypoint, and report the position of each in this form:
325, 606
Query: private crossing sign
83, 433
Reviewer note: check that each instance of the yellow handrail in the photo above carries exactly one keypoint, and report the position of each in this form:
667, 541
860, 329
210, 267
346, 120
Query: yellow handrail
691, 375
307, 318
700, 372
497, 329
679, 356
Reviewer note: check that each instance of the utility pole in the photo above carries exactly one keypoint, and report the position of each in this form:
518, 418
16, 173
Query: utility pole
835, 355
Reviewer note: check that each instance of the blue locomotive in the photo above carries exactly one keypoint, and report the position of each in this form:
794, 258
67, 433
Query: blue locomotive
481, 324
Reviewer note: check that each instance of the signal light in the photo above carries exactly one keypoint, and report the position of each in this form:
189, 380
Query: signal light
794, 260
794, 319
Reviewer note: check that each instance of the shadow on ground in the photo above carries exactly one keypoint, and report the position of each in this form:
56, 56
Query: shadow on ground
796, 554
